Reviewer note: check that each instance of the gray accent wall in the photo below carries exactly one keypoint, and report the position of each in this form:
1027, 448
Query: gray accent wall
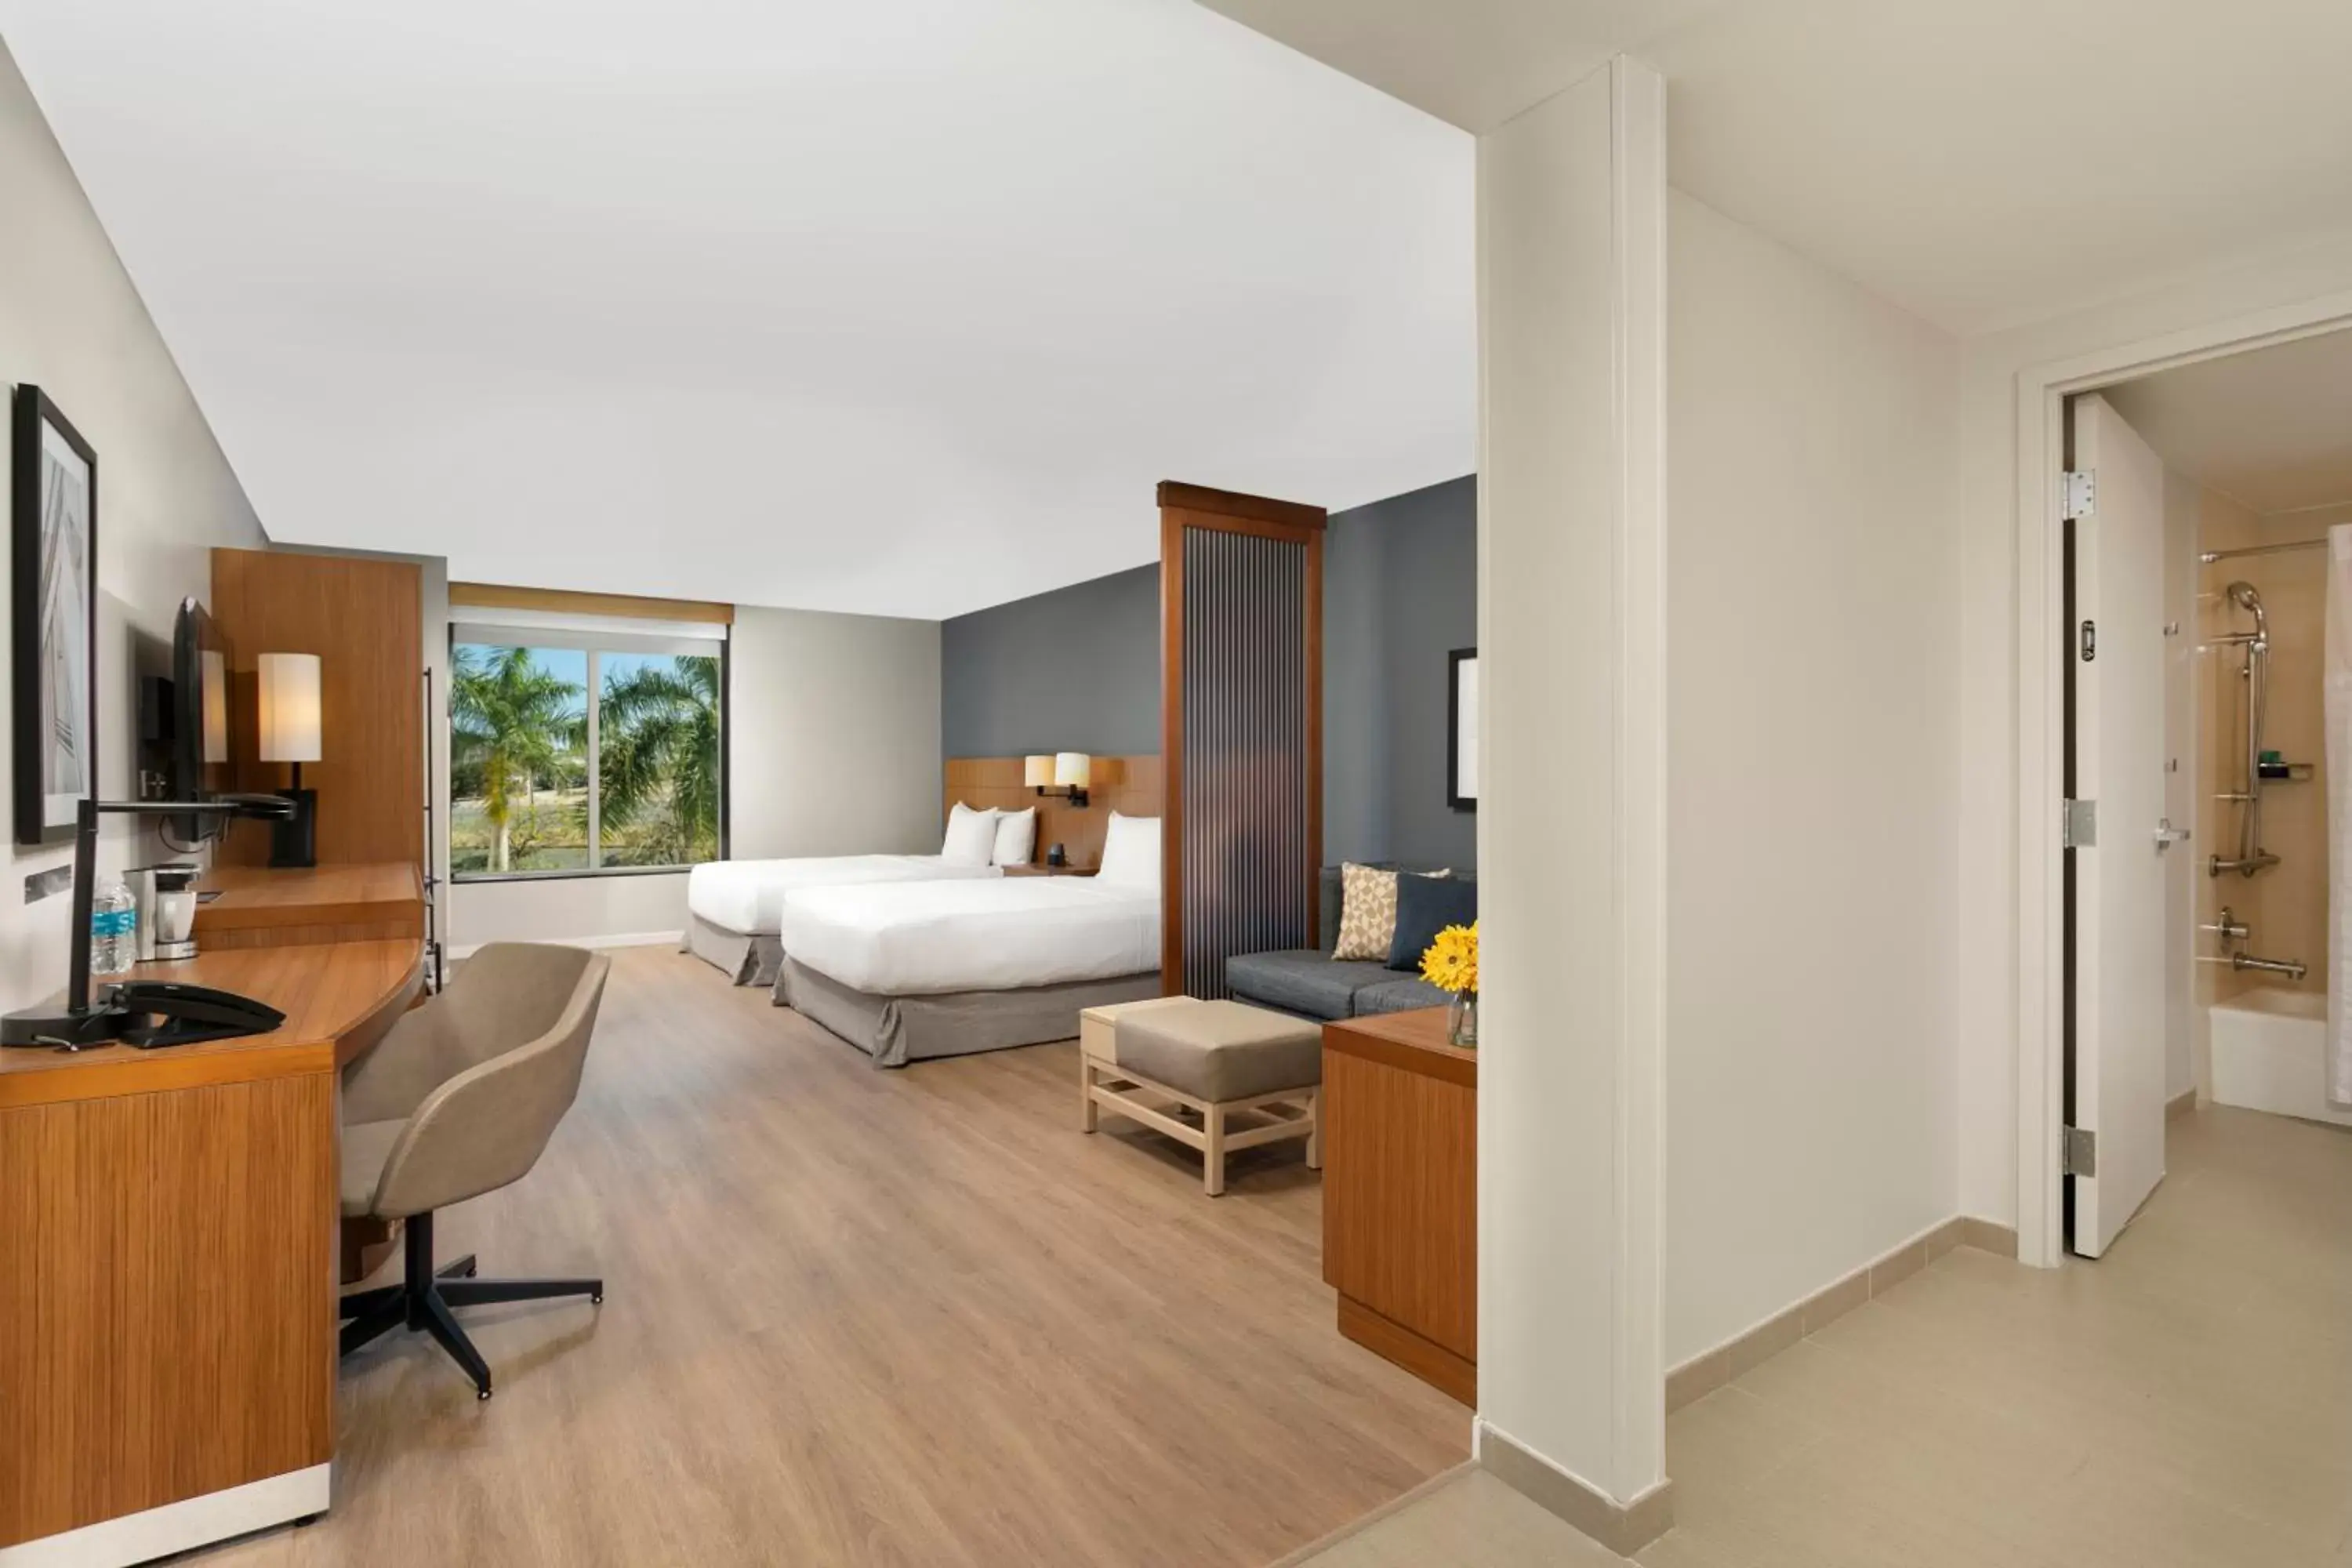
1076, 669
1399, 593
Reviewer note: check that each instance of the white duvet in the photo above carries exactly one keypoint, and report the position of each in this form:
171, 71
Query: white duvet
748, 895
920, 939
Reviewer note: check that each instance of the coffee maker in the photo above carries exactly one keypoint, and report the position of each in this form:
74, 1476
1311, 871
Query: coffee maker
166, 899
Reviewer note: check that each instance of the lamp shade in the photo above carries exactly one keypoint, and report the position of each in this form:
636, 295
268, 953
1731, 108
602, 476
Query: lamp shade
1073, 770
286, 715
1036, 773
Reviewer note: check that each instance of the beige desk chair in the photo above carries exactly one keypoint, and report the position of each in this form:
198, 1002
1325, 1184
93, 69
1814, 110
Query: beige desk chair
459, 1099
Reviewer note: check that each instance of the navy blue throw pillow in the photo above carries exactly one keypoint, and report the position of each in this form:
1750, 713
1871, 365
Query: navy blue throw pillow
1425, 906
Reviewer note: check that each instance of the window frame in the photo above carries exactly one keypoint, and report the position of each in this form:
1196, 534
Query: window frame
593, 642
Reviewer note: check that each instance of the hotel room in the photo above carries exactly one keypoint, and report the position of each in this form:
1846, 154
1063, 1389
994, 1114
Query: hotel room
1182, 783
538, 923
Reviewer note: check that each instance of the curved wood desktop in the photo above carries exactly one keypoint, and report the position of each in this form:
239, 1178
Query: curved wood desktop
168, 1258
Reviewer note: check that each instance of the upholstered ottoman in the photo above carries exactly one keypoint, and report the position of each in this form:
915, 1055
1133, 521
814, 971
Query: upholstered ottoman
1169, 1060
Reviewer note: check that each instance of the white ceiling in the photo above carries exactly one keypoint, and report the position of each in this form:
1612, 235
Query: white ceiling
2272, 429
1981, 163
900, 306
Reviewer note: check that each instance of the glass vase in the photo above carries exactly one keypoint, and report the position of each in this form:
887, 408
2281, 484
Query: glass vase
1461, 1019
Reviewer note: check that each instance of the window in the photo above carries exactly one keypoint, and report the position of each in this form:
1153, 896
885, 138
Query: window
577, 752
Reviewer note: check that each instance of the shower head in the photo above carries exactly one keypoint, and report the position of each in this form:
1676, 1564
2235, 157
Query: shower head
2241, 594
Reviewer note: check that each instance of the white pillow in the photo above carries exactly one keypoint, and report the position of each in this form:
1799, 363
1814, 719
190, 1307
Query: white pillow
1016, 837
972, 837
1131, 852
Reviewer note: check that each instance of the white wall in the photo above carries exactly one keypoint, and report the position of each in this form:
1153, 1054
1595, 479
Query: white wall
836, 727
1570, 752
585, 910
1990, 633
832, 749
1813, 760
71, 322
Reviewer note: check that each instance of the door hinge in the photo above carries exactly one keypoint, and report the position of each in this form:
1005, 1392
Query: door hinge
2078, 825
2078, 1153
2078, 488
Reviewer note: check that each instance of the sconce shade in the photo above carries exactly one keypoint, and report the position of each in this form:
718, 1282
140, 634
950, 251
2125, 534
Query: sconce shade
1036, 773
287, 713
1073, 770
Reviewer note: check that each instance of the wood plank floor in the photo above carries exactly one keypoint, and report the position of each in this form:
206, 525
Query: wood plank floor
869, 1318
2185, 1402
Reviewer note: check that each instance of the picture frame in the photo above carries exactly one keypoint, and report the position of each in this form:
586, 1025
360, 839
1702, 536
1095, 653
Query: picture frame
1462, 729
53, 606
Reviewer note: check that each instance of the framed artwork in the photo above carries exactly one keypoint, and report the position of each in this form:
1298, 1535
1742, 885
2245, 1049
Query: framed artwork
1462, 730
54, 610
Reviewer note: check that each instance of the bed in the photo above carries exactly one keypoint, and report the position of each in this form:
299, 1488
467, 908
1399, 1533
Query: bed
919, 970
732, 906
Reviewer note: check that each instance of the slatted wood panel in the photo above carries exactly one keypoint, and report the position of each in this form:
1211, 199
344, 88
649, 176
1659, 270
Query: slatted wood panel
166, 1280
364, 619
1241, 613
1129, 785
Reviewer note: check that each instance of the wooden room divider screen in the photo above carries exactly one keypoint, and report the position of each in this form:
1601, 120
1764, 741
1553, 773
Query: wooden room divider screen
1241, 713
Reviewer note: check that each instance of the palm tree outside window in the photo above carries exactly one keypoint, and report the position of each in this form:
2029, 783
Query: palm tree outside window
584, 758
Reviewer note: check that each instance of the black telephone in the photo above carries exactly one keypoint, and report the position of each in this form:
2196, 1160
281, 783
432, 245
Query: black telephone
157, 1013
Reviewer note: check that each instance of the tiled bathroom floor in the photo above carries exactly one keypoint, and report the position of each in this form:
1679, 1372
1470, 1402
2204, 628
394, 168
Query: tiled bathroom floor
2186, 1402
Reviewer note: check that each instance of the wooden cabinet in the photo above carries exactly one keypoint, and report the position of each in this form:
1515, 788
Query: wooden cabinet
1401, 1193
167, 1270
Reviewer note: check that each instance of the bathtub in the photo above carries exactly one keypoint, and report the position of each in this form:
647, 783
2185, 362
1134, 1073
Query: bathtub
2269, 1053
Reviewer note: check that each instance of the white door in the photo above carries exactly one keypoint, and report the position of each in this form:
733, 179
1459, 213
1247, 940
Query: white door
2117, 656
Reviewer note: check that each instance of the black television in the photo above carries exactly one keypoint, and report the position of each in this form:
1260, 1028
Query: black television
201, 688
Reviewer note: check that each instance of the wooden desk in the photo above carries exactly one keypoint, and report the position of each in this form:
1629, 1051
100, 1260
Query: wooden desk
1401, 1193
167, 1263
259, 907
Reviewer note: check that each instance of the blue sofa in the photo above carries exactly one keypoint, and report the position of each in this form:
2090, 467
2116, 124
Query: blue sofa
1309, 983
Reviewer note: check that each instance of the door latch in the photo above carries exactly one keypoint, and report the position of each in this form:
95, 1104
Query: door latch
2167, 836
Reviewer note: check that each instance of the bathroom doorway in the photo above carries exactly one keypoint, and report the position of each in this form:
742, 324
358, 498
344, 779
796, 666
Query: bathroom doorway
2199, 502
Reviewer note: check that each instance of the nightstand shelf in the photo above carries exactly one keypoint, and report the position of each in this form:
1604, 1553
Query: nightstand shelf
1042, 870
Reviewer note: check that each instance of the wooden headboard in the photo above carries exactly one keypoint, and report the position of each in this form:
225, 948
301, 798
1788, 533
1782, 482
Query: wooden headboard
1129, 785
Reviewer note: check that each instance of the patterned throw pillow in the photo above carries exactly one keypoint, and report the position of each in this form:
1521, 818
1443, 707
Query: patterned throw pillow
1368, 912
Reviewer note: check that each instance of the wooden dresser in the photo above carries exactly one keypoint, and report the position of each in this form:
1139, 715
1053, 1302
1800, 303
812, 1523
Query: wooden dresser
1401, 1193
167, 1252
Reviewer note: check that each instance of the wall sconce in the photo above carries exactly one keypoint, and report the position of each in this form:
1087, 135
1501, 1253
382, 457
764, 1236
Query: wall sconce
1063, 772
287, 723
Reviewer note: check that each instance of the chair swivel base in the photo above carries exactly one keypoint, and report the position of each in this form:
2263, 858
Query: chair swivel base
423, 1298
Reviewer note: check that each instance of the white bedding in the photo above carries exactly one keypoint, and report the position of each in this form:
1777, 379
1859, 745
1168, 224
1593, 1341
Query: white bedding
920, 939
748, 895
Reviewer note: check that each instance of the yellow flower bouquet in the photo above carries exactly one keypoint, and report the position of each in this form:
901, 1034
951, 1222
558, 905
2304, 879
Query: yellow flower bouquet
1451, 963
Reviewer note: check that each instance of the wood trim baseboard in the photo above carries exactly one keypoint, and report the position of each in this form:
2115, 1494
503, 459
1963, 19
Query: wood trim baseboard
565, 602
1622, 1527
2180, 1104
1702, 1374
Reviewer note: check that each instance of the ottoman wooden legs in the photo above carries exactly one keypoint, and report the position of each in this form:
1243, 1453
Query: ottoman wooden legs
1264, 1117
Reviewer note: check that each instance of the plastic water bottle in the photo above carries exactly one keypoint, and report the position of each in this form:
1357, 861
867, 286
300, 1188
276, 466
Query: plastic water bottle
113, 930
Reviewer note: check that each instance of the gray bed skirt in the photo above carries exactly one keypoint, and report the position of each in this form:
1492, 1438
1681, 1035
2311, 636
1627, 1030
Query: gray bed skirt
748, 958
896, 1031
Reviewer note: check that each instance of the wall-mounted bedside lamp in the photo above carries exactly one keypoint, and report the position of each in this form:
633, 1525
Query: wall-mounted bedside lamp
1063, 772
288, 724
